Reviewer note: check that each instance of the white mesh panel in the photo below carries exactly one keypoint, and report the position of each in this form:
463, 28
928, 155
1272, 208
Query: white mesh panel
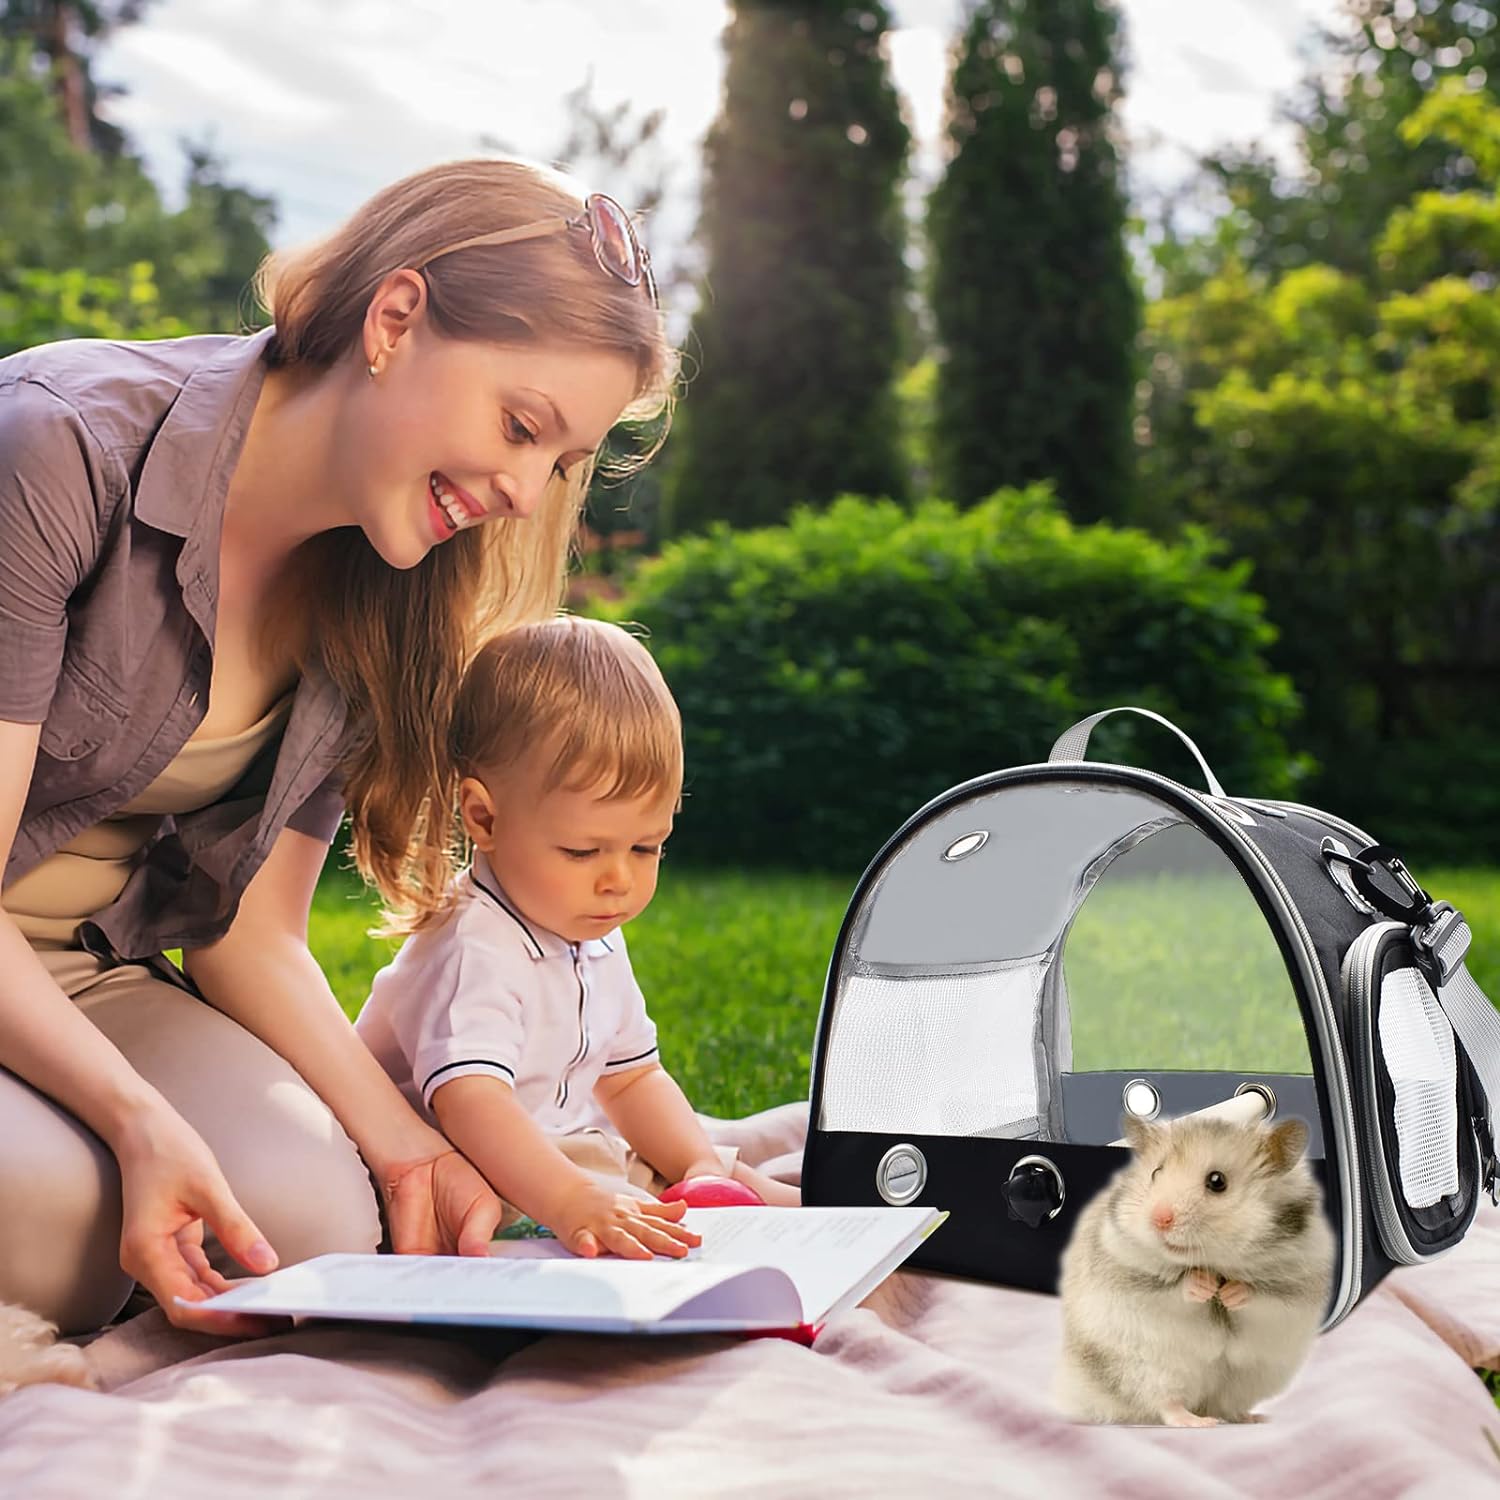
1417, 1044
941, 1055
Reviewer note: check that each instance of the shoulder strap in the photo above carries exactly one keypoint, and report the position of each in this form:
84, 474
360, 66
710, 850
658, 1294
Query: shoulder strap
1443, 942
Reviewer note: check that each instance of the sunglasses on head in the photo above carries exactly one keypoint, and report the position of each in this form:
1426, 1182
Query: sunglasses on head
617, 247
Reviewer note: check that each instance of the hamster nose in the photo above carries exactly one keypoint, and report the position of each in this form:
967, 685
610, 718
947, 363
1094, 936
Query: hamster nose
1163, 1217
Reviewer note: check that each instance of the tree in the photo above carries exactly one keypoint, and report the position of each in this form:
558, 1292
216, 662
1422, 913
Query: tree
63, 34
1032, 294
1357, 166
86, 247
1338, 429
795, 346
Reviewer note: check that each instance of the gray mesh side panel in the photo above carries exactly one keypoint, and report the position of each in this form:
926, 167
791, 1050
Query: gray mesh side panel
935, 1054
1417, 1044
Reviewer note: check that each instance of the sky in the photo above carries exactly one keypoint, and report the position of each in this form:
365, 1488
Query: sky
320, 102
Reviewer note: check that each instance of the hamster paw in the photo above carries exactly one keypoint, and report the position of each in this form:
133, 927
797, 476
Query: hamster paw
1234, 1294
1177, 1415
1200, 1285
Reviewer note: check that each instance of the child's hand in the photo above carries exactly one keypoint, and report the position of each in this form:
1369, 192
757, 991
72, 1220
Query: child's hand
594, 1221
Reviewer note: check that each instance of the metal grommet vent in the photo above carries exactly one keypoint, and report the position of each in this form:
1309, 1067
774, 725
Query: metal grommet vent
901, 1175
970, 843
1141, 1099
1266, 1092
1032, 1163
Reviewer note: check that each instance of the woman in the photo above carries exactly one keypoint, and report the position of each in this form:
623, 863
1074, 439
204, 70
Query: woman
241, 578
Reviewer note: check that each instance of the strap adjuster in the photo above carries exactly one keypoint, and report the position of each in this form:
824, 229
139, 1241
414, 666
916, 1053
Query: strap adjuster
1442, 942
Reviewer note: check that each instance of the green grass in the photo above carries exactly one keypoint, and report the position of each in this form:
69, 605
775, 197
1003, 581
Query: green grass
1178, 972
1173, 972
1162, 973
732, 966
337, 932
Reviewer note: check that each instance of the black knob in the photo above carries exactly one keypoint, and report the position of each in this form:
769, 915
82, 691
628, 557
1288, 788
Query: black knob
1032, 1194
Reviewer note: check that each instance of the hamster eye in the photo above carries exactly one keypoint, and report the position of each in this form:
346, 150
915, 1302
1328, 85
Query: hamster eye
1215, 1183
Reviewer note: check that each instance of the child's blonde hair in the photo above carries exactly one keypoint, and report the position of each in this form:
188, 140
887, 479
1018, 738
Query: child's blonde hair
584, 694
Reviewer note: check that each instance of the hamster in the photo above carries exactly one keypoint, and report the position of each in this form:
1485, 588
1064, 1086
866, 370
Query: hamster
1195, 1282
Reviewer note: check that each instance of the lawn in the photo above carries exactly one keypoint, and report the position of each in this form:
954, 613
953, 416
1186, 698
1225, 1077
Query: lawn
732, 966
1162, 973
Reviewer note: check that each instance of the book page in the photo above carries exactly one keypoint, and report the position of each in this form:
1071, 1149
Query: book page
756, 1268
827, 1252
502, 1290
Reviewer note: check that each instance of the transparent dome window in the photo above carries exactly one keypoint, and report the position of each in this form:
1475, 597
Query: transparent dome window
1034, 957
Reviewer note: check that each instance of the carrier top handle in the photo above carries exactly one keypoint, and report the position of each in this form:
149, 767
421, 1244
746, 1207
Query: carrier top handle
1075, 743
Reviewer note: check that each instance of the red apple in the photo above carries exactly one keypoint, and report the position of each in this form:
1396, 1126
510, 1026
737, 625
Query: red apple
712, 1192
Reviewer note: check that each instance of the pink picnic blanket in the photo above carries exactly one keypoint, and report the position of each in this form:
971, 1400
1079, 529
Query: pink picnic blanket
934, 1386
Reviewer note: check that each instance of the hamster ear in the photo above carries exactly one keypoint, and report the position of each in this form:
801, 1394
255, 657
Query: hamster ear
1285, 1144
1141, 1135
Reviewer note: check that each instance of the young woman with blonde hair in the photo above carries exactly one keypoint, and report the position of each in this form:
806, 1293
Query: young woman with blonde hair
242, 579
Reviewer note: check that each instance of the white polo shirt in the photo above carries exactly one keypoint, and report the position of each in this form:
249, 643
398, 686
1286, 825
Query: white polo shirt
489, 992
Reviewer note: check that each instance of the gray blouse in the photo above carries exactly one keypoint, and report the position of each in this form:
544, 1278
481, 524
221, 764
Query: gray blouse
115, 461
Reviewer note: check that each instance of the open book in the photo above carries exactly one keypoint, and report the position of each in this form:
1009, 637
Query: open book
757, 1269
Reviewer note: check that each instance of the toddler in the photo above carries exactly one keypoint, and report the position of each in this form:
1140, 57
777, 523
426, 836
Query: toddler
512, 1017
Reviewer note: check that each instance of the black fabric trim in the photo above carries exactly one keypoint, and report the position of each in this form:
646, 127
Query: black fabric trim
620, 1062
466, 1062
512, 914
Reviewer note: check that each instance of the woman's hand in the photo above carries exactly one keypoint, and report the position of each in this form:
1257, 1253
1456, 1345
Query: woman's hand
171, 1187
439, 1204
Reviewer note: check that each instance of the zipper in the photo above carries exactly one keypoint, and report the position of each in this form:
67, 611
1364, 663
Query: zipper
1358, 978
583, 1036
1318, 815
1345, 1131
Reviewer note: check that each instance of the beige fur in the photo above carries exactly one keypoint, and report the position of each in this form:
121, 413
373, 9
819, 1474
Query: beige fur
1197, 1334
30, 1355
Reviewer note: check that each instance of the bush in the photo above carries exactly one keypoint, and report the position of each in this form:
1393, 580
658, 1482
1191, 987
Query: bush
836, 672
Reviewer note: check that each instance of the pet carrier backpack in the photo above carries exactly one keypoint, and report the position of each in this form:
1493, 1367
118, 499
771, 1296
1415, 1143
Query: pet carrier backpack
1039, 950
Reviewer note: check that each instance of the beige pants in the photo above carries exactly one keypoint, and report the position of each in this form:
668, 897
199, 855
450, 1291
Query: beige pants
286, 1158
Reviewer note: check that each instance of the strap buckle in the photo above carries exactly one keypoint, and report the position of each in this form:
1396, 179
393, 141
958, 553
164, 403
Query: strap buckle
1442, 943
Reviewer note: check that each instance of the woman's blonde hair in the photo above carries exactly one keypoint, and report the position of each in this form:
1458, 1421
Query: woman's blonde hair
583, 695
397, 642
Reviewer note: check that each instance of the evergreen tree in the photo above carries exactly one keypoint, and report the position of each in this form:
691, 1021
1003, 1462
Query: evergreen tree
794, 350
63, 35
1032, 295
